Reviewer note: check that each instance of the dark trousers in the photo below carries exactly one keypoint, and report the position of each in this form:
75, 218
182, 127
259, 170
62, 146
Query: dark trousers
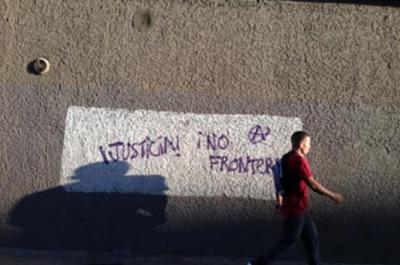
293, 229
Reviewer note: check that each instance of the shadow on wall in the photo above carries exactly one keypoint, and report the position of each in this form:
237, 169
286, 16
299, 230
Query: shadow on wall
68, 217
59, 219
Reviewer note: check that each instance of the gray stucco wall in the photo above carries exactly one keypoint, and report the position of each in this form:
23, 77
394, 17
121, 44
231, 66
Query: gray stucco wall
336, 66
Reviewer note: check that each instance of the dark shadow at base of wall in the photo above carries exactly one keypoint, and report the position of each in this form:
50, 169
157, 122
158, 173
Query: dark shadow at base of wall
60, 220
56, 219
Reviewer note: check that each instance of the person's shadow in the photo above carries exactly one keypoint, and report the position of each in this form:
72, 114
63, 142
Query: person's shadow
103, 209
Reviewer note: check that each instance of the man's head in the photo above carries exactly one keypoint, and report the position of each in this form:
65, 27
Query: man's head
301, 142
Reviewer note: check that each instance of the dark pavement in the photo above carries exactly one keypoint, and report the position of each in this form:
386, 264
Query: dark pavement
34, 257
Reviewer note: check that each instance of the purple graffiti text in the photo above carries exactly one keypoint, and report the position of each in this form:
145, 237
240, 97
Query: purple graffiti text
121, 151
241, 164
258, 134
213, 141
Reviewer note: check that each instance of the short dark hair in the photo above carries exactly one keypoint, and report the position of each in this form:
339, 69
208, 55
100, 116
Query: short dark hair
297, 137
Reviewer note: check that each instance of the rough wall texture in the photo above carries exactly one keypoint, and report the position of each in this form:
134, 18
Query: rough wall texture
335, 66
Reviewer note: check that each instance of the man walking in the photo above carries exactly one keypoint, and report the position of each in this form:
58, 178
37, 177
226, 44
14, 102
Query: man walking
292, 202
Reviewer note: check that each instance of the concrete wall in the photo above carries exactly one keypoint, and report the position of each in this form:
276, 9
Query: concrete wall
336, 67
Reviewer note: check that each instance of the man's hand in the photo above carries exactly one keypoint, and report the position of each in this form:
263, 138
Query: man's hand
336, 197
319, 188
279, 202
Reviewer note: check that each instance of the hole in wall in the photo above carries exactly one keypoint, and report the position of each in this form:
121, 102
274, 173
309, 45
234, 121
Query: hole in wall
143, 20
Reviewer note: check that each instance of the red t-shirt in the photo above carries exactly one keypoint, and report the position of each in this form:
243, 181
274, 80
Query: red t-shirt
295, 168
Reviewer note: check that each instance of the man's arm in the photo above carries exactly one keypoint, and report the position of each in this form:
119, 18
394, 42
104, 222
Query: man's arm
319, 188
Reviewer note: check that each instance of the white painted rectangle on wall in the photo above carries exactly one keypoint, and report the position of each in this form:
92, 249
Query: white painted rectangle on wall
171, 153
